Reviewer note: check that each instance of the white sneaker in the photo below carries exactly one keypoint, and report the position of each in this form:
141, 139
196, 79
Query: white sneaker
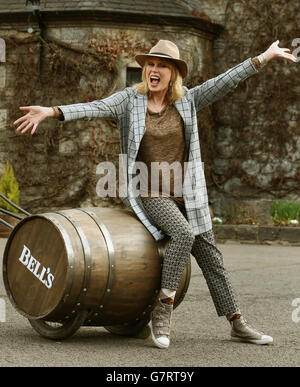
161, 324
242, 331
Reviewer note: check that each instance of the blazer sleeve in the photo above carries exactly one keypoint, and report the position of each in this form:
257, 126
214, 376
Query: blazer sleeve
111, 107
215, 88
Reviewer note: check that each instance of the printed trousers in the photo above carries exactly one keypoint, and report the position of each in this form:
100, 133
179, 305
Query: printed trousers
166, 215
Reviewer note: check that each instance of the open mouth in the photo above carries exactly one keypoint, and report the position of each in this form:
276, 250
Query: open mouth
154, 80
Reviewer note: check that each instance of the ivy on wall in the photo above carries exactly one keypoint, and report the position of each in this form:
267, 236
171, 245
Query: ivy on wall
263, 112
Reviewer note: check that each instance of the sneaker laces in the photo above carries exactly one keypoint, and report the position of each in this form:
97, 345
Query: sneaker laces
161, 317
245, 322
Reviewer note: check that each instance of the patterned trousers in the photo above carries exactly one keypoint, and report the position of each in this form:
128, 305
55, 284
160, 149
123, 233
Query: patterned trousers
166, 215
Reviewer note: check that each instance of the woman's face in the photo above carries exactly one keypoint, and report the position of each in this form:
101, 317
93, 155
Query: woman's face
158, 74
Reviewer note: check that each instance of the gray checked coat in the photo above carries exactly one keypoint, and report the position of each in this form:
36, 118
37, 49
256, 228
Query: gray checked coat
129, 108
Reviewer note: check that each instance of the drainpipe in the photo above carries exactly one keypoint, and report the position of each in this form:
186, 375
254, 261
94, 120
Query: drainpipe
42, 28
35, 7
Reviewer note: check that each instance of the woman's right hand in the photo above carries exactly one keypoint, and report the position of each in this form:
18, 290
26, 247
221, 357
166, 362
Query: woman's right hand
35, 115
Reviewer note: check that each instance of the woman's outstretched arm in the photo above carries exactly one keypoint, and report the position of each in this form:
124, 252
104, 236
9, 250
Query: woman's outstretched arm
110, 107
215, 88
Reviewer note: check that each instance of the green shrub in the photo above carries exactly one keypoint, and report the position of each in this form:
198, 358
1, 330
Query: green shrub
283, 211
9, 187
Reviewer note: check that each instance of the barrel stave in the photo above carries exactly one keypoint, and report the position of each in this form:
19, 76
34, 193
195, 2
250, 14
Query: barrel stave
94, 261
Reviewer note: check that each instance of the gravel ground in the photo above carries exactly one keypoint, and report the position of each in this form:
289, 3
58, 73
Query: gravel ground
266, 279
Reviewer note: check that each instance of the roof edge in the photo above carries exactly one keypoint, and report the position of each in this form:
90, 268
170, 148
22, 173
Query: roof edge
203, 24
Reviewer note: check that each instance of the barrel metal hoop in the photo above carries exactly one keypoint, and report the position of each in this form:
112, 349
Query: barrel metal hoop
111, 258
87, 259
70, 253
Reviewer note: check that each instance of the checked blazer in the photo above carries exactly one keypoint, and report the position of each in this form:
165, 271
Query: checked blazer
129, 108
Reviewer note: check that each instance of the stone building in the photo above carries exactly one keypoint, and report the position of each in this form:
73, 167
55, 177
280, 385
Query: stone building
78, 51
256, 129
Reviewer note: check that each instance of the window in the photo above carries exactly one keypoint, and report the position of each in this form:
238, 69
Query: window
133, 75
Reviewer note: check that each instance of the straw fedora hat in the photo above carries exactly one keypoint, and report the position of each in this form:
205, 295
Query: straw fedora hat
167, 50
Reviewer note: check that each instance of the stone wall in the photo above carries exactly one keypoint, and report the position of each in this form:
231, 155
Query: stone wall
56, 167
216, 9
256, 127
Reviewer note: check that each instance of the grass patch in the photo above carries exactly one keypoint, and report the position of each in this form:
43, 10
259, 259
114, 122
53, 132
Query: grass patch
285, 212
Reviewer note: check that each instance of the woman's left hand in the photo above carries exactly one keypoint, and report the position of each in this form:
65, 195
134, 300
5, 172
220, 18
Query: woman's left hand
276, 52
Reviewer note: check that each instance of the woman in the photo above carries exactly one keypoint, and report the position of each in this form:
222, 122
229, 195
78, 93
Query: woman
158, 122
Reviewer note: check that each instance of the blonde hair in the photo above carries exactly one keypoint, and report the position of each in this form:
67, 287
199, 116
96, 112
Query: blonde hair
175, 90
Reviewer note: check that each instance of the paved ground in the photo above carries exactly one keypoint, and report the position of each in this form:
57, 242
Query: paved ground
267, 280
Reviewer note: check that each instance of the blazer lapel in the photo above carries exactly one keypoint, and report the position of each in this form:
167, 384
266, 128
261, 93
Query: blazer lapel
138, 127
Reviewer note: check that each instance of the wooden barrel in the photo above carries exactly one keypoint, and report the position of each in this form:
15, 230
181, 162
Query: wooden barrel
100, 260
